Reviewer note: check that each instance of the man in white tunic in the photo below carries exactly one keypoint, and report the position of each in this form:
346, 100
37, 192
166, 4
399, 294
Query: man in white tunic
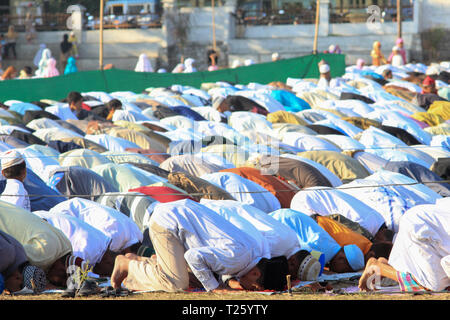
420, 257
15, 171
281, 240
187, 235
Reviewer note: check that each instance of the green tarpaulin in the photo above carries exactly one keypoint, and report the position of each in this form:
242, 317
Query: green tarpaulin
57, 88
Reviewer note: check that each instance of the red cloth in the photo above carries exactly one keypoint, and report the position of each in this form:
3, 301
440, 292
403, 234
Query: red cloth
162, 194
428, 81
85, 107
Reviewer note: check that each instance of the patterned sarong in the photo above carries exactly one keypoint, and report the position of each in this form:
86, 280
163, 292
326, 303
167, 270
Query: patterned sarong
407, 283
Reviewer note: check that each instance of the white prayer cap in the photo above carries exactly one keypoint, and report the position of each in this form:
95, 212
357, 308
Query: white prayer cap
324, 68
395, 48
11, 158
275, 56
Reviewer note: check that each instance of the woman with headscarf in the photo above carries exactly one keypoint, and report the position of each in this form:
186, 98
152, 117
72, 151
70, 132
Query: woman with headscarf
378, 58
38, 55
50, 70
46, 55
11, 39
66, 51
71, 66
144, 64
189, 65
360, 63
10, 73
400, 49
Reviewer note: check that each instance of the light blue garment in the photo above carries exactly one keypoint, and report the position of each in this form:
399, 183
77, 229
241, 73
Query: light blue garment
71, 66
309, 233
111, 143
22, 107
396, 155
290, 101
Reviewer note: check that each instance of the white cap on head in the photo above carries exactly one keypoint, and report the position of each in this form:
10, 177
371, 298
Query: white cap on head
395, 48
324, 68
11, 158
275, 56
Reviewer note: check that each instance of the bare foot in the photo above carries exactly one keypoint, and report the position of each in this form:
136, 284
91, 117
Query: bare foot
371, 268
120, 271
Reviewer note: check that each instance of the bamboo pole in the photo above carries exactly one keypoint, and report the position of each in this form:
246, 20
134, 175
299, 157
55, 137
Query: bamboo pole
101, 35
399, 19
213, 25
316, 31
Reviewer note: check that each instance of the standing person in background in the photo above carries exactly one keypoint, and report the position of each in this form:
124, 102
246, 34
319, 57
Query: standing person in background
74, 41
11, 39
71, 66
30, 31
144, 64
189, 65
378, 58
66, 52
396, 57
213, 59
401, 51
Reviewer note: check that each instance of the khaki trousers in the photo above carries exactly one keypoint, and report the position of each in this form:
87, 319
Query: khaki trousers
168, 272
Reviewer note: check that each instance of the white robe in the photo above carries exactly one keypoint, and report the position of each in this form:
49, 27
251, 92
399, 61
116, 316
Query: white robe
422, 246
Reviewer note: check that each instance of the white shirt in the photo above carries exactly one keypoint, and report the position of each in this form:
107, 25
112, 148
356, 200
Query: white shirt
281, 240
422, 245
244, 190
122, 230
213, 244
16, 194
397, 60
87, 242
333, 201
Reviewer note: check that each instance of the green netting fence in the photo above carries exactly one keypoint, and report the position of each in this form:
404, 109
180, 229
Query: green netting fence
57, 88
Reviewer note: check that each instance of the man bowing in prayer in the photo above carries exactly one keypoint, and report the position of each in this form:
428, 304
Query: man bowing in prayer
187, 235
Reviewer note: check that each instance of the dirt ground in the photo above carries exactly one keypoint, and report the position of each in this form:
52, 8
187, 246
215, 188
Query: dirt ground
244, 296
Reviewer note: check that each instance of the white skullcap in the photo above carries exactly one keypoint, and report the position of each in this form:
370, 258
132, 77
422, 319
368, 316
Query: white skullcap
11, 158
324, 68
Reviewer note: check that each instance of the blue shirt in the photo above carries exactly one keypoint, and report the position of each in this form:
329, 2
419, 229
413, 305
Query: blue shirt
309, 233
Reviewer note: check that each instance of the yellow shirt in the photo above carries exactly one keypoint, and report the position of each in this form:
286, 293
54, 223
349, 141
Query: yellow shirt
43, 243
